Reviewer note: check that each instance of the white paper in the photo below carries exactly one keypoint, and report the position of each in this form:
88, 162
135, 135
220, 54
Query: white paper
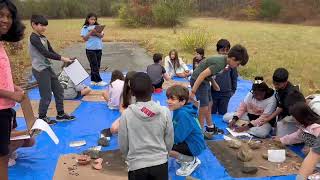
226, 138
237, 134
26, 136
43, 126
76, 72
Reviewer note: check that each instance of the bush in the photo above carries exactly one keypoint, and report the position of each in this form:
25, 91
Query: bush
199, 38
135, 14
270, 9
171, 13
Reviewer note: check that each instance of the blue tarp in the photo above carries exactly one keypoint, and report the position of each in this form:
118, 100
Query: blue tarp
39, 162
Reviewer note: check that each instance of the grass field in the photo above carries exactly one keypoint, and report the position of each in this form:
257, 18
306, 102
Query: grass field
294, 47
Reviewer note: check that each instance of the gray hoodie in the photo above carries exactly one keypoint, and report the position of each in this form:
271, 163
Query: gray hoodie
145, 134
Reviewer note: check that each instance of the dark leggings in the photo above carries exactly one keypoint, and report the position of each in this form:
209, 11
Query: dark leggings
94, 58
159, 85
159, 172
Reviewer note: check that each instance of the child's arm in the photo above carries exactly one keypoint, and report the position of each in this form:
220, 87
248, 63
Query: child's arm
105, 95
50, 54
16, 96
292, 138
168, 137
234, 79
166, 77
85, 36
207, 72
215, 85
123, 135
309, 164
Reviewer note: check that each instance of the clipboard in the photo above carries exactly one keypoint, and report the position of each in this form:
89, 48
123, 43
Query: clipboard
28, 112
76, 72
99, 28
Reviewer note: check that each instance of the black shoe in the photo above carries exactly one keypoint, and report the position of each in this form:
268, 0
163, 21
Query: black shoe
65, 117
214, 130
106, 132
48, 120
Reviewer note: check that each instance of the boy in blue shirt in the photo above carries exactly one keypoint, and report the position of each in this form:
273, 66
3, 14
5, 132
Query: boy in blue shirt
188, 137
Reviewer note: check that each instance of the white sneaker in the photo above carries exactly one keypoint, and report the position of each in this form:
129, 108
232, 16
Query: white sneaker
102, 83
11, 162
93, 83
187, 168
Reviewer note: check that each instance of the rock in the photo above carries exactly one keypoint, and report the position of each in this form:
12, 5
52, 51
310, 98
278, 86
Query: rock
94, 154
235, 144
265, 156
106, 132
254, 145
245, 154
83, 160
103, 142
249, 169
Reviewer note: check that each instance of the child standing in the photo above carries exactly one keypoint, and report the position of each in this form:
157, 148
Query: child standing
113, 93
145, 133
188, 138
227, 82
198, 58
175, 66
11, 30
41, 51
93, 47
202, 76
70, 90
156, 72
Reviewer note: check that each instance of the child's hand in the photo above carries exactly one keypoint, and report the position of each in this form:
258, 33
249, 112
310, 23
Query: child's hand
191, 95
93, 32
242, 128
67, 60
18, 96
276, 138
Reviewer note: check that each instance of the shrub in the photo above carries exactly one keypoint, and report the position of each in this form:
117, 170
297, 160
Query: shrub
270, 9
198, 38
135, 14
171, 13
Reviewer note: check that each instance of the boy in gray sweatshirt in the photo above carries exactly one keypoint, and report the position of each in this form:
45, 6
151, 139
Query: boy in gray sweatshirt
145, 133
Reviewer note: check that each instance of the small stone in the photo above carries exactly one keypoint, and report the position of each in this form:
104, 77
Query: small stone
94, 154
103, 142
265, 156
235, 144
245, 154
254, 145
249, 170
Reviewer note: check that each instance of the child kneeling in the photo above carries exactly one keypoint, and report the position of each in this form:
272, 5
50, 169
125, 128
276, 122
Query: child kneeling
188, 137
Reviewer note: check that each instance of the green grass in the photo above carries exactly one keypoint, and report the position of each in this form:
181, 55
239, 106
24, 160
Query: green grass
294, 47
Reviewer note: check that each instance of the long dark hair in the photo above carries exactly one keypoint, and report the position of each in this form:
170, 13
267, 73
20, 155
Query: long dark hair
260, 85
304, 114
126, 93
16, 30
176, 63
116, 74
86, 22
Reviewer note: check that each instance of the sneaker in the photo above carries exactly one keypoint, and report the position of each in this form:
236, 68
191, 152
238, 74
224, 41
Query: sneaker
93, 83
106, 132
48, 120
188, 167
102, 83
65, 117
11, 162
214, 130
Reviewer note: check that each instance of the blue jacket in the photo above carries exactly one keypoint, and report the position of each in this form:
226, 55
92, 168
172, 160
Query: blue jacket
187, 128
227, 82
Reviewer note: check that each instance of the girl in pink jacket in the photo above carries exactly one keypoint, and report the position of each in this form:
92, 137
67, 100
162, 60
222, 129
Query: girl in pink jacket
309, 128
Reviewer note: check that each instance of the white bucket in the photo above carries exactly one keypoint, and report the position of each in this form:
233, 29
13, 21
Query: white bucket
277, 156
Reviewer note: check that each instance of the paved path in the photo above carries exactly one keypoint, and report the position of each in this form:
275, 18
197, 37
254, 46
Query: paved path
124, 56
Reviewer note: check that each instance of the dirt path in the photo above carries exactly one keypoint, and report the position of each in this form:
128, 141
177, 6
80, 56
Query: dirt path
124, 56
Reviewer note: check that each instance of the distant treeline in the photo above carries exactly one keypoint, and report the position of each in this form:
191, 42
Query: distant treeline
68, 8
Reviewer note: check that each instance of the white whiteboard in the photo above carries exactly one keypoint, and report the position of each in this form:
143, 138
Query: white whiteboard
76, 72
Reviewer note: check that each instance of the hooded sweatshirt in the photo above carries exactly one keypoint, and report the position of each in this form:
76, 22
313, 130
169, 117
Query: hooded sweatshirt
145, 134
187, 128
